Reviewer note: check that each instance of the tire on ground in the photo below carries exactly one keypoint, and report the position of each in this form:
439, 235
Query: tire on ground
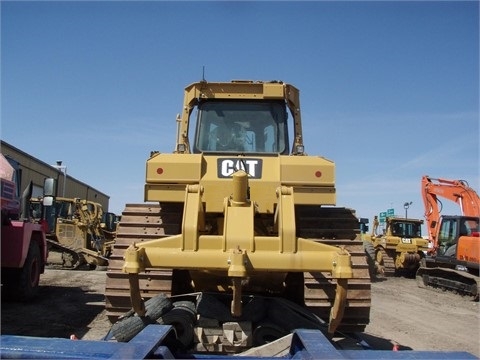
124, 330
188, 306
290, 316
254, 309
267, 332
154, 308
210, 307
181, 319
157, 306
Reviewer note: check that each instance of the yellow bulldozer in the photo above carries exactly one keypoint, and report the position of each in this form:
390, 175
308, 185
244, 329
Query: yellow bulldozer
395, 247
239, 229
79, 231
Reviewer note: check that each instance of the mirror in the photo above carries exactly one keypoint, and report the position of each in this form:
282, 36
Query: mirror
49, 187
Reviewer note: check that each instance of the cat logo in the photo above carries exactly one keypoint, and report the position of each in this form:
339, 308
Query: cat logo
226, 167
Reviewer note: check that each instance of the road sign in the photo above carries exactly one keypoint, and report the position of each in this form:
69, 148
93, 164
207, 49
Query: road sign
382, 217
390, 212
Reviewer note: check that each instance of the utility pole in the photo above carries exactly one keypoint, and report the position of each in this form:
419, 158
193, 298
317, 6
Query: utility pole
406, 206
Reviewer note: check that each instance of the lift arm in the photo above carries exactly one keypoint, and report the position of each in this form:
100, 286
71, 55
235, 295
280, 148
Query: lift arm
457, 191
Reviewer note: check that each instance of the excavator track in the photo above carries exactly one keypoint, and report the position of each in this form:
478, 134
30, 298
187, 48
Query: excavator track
461, 282
143, 222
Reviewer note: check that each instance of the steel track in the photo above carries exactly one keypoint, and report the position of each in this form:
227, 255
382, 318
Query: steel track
77, 258
386, 261
337, 227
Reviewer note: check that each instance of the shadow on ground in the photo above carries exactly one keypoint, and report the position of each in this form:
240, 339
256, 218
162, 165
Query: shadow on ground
57, 311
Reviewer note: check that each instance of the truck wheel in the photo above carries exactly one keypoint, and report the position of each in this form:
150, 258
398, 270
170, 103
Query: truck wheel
30, 274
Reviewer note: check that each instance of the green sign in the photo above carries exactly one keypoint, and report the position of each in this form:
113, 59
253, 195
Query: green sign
382, 217
390, 212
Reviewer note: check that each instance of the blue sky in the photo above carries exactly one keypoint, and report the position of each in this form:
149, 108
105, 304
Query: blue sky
389, 90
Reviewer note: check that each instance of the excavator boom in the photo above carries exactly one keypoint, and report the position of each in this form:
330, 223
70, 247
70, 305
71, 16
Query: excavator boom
457, 191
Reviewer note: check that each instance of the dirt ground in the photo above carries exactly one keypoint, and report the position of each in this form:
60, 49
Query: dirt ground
72, 302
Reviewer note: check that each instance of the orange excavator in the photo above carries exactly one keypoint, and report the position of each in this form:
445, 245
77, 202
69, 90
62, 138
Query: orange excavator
453, 261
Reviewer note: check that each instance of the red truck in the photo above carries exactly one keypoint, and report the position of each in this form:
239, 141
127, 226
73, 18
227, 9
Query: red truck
24, 245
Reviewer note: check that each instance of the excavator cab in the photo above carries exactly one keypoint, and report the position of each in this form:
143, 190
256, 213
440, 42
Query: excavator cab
448, 237
452, 229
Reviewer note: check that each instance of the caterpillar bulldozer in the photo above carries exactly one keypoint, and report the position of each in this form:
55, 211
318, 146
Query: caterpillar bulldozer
398, 248
79, 231
235, 215
453, 262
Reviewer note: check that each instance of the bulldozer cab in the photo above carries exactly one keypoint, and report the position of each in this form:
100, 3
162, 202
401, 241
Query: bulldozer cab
408, 229
241, 127
240, 117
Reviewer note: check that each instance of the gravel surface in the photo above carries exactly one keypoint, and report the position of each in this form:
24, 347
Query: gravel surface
72, 302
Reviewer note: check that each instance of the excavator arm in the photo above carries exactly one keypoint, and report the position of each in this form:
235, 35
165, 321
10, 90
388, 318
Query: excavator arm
457, 191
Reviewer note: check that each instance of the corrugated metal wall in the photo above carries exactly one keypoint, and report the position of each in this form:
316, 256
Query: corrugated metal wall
36, 171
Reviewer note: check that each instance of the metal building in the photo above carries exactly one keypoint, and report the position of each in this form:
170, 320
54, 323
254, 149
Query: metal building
35, 170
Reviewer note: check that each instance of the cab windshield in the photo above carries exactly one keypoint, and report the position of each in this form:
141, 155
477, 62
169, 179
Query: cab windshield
241, 127
407, 229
